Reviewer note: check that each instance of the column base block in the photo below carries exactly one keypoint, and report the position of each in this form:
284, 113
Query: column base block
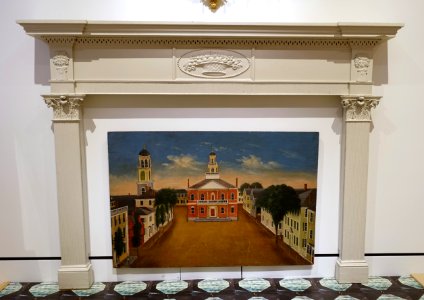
351, 271
75, 277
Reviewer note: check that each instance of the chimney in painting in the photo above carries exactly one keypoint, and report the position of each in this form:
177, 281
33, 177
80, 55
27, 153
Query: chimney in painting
305, 186
188, 182
236, 182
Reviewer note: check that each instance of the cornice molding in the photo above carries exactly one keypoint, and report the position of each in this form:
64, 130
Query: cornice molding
48, 29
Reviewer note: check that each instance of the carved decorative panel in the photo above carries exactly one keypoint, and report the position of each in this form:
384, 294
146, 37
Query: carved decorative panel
213, 63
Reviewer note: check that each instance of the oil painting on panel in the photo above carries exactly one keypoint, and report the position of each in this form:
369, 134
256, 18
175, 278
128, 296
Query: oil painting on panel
209, 199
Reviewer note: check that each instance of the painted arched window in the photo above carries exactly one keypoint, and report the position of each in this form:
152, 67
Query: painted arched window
192, 196
146, 162
232, 196
213, 196
142, 176
222, 196
142, 163
202, 197
213, 170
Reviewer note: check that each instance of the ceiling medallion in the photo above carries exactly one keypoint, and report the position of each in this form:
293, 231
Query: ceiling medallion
214, 4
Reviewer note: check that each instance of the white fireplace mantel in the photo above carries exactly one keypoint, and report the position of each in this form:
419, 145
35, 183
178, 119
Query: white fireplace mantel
90, 58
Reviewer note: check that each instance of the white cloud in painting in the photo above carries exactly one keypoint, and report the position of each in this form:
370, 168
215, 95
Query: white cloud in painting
183, 161
290, 154
252, 162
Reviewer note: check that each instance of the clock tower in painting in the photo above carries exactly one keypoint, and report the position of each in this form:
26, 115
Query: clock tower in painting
144, 182
212, 172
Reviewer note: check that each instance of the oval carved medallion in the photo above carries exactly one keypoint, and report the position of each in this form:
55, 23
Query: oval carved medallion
215, 63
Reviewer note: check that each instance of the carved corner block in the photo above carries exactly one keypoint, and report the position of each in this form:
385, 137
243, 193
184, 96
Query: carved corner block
65, 108
61, 57
61, 66
358, 108
361, 66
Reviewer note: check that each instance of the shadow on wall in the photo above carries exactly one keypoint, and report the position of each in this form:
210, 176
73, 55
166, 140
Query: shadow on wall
380, 68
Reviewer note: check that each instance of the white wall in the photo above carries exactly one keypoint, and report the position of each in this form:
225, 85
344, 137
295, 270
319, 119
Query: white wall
29, 221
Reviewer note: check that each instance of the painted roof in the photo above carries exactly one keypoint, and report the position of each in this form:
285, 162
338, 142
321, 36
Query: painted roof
144, 211
308, 199
212, 183
144, 152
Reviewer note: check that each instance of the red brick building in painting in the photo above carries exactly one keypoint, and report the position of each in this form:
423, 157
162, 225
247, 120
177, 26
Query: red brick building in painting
212, 199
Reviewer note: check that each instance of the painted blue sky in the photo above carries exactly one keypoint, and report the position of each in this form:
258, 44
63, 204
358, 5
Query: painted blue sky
268, 157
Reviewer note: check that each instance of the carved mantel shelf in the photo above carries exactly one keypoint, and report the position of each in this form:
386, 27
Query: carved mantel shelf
132, 58
359, 31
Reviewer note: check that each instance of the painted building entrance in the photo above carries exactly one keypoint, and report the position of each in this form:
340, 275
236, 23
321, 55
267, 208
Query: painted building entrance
212, 212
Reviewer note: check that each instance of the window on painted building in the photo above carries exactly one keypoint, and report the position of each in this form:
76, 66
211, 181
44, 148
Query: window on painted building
192, 196
232, 196
202, 197
150, 219
150, 202
305, 226
311, 217
311, 234
114, 220
222, 210
202, 210
306, 213
213, 197
192, 209
119, 219
232, 209
291, 223
123, 218
279, 225
304, 243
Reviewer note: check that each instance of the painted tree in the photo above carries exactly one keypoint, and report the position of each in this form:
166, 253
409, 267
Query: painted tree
160, 214
119, 246
165, 200
279, 200
244, 186
256, 185
136, 239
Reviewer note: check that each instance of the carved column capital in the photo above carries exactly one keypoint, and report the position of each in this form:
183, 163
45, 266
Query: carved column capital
65, 107
358, 108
